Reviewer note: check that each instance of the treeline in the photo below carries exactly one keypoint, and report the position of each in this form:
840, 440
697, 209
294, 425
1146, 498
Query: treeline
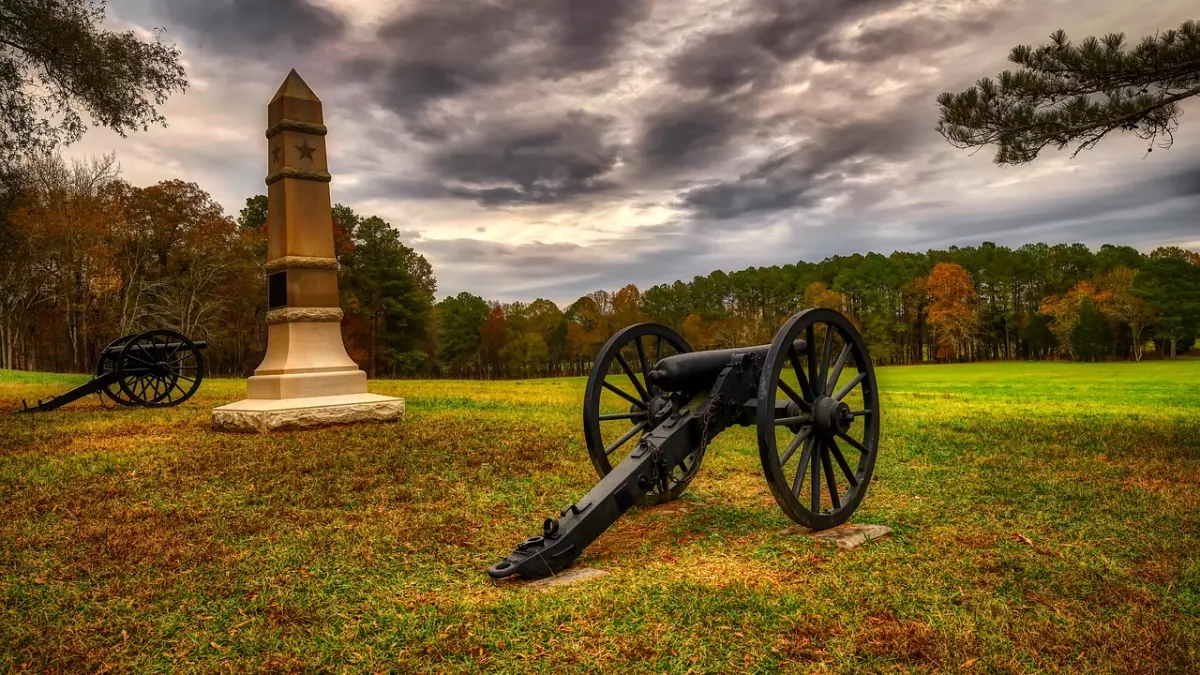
1039, 301
86, 257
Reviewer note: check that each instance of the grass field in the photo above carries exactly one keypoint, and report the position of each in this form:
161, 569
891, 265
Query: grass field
1046, 516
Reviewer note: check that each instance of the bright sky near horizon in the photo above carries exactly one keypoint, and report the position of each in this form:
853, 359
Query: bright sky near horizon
548, 148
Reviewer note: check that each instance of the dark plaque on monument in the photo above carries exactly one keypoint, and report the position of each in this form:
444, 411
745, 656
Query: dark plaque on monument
277, 290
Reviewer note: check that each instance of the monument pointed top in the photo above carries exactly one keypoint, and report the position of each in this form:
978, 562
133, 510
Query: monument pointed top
295, 87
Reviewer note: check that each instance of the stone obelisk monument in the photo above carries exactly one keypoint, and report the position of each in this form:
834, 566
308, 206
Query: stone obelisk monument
306, 378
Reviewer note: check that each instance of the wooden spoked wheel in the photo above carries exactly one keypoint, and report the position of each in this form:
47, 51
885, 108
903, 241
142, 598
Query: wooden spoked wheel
819, 458
159, 368
619, 406
107, 364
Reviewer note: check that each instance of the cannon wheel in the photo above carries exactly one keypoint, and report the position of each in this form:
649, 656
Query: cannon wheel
108, 363
617, 403
833, 419
159, 368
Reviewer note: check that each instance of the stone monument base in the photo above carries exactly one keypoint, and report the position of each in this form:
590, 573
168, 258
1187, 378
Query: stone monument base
264, 415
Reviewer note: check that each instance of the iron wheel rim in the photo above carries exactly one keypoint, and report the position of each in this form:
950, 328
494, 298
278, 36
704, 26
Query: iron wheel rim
650, 343
168, 378
107, 364
823, 453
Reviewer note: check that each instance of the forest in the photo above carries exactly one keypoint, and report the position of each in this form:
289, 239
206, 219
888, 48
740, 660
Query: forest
86, 257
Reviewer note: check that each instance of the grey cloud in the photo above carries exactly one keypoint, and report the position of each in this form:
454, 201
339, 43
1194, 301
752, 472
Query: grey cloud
782, 31
253, 27
807, 174
590, 31
445, 49
686, 134
915, 36
530, 161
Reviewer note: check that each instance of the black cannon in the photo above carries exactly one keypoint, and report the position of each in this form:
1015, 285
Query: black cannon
811, 393
155, 369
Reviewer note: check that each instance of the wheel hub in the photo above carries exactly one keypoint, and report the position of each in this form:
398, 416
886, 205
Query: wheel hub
831, 415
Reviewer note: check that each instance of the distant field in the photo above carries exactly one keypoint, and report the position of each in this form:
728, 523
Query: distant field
1046, 516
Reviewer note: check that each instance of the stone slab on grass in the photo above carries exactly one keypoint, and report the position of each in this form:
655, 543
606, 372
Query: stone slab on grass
573, 575
852, 536
266, 415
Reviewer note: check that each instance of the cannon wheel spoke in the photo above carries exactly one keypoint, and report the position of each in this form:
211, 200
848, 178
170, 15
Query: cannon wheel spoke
151, 368
826, 347
841, 460
781, 437
834, 498
802, 379
641, 350
614, 417
106, 364
632, 378
802, 467
623, 394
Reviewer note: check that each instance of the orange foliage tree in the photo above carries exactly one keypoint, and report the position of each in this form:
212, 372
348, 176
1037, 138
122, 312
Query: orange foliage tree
1126, 307
1064, 310
952, 308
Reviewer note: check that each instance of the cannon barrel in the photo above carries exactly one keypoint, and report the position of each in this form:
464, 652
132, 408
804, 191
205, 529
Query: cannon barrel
695, 371
113, 351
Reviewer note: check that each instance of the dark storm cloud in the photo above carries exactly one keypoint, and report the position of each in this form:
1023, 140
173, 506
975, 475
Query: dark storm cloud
530, 161
589, 31
686, 134
444, 49
805, 175
919, 35
253, 27
783, 31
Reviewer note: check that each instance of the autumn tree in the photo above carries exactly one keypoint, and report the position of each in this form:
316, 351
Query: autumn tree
1066, 94
952, 309
57, 64
1124, 306
64, 221
626, 307
1066, 311
817, 294
493, 336
698, 333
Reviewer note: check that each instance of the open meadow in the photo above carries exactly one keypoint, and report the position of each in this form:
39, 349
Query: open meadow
1046, 517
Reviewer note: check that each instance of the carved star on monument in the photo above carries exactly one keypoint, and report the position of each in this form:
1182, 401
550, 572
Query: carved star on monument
306, 151
275, 152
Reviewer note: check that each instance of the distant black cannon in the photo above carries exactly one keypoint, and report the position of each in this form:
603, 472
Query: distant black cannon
156, 369
803, 428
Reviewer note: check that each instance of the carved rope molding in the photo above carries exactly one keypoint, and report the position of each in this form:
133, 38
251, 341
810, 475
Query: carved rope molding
294, 314
303, 262
296, 125
288, 172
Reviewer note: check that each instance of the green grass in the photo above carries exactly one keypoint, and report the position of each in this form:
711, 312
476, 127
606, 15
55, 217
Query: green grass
143, 540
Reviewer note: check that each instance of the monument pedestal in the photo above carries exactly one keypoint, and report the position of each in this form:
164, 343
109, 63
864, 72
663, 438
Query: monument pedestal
263, 415
306, 378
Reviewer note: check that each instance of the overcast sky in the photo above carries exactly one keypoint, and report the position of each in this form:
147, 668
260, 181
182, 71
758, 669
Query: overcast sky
553, 147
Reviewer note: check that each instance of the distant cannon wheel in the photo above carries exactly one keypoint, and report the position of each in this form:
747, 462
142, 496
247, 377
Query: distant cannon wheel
619, 405
830, 435
159, 368
108, 363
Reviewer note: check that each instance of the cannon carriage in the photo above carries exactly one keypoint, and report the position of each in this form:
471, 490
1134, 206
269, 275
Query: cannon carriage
652, 406
155, 369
